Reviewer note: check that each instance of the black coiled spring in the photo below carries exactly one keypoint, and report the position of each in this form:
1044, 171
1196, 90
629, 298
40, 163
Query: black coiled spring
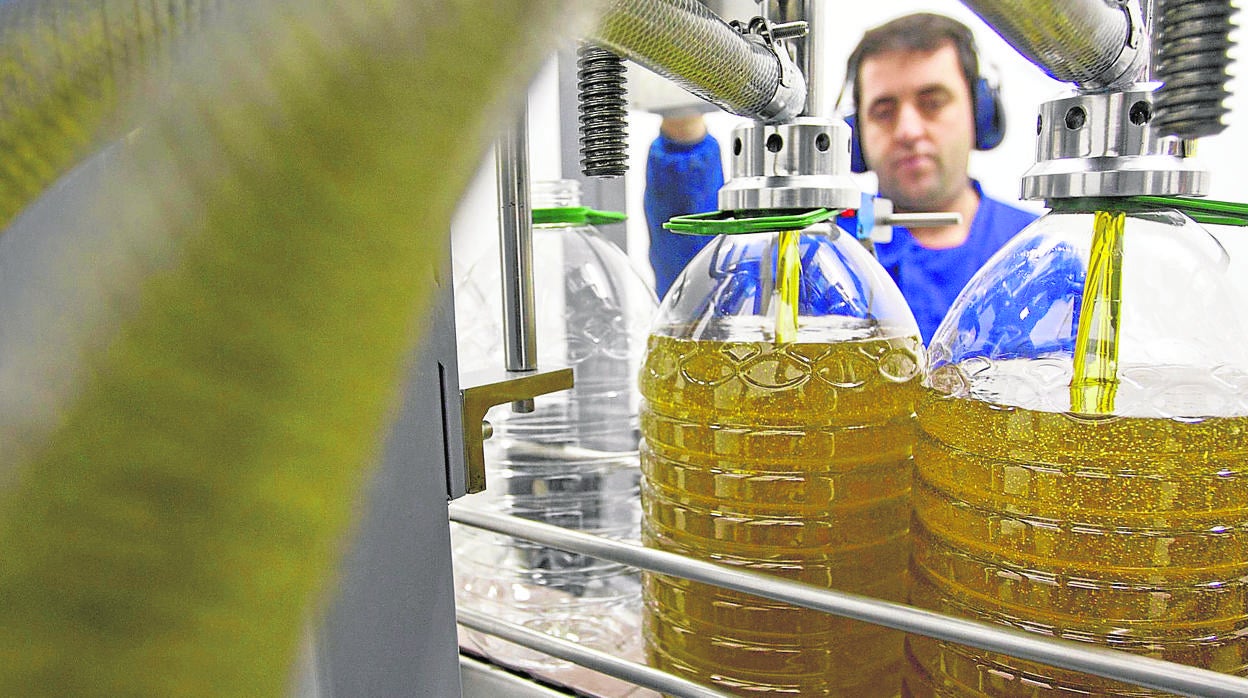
603, 112
1190, 43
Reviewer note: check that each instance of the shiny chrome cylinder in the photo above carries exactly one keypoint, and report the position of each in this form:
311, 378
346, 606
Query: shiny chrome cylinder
1105, 144
515, 235
803, 164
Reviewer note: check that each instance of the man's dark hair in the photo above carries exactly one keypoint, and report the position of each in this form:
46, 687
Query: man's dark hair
923, 32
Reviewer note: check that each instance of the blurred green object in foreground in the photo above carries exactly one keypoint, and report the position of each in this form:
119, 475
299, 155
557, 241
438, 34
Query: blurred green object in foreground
211, 414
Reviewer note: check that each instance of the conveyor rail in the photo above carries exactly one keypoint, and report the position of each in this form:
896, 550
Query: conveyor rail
1141, 671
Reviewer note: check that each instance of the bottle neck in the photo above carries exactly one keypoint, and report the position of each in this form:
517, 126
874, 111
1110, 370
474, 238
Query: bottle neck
559, 193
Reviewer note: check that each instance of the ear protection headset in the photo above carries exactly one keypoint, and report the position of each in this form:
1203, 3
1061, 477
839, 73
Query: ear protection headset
986, 105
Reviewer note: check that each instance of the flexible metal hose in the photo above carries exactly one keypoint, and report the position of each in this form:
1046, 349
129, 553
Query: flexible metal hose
684, 41
66, 65
201, 362
1190, 50
1092, 43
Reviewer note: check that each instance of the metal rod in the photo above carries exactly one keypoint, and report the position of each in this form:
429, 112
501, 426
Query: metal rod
1112, 664
920, 220
515, 235
597, 660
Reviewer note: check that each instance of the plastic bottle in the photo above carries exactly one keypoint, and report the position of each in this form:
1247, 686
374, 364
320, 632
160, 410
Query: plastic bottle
777, 421
1081, 469
572, 461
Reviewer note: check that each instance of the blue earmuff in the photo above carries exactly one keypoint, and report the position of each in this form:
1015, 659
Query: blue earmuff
989, 115
856, 162
989, 123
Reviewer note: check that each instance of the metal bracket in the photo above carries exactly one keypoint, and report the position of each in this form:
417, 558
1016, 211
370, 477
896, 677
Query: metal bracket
876, 219
492, 387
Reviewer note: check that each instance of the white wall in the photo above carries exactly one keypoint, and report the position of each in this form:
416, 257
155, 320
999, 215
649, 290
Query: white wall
474, 229
1023, 87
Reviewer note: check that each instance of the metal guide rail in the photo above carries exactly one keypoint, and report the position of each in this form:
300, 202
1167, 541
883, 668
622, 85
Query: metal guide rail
1141, 671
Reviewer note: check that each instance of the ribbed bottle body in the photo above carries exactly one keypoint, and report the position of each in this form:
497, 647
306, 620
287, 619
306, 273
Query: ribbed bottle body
791, 460
1129, 533
1080, 470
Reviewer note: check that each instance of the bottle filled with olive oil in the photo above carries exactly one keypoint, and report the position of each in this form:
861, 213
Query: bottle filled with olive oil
1081, 465
778, 388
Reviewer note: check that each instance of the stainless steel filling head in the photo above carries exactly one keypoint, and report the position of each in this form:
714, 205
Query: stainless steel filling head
1104, 144
802, 164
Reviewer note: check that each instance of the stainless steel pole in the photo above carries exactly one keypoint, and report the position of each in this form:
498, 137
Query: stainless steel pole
516, 249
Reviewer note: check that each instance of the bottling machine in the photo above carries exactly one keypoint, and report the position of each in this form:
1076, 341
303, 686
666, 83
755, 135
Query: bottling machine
390, 627
1136, 105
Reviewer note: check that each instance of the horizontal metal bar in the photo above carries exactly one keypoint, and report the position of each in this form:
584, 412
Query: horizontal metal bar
920, 220
480, 679
1112, 664
639, 674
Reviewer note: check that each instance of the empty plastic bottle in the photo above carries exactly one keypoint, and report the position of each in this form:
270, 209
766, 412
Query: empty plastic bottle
571, 462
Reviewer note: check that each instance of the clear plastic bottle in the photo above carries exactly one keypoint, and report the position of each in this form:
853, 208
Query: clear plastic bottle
781, 447
571, 462
1081, 467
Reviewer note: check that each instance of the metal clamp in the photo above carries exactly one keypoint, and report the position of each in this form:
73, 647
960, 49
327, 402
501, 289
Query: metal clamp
770, 32
790, 97
491, 387
1133, 58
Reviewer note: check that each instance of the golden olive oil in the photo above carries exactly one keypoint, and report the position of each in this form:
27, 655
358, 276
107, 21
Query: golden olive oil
1124, 532
789, 459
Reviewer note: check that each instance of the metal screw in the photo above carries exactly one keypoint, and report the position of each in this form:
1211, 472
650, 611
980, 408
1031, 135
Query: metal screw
789, 30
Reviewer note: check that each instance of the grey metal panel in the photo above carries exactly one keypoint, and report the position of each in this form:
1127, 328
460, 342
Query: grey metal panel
390, 630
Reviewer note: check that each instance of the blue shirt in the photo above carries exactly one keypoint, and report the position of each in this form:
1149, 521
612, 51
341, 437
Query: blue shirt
681, 178
931, 279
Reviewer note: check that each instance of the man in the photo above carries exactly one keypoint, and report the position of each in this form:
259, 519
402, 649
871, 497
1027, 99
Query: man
920, 108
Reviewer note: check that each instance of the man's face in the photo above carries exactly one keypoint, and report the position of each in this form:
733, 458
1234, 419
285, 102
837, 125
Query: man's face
916, 126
